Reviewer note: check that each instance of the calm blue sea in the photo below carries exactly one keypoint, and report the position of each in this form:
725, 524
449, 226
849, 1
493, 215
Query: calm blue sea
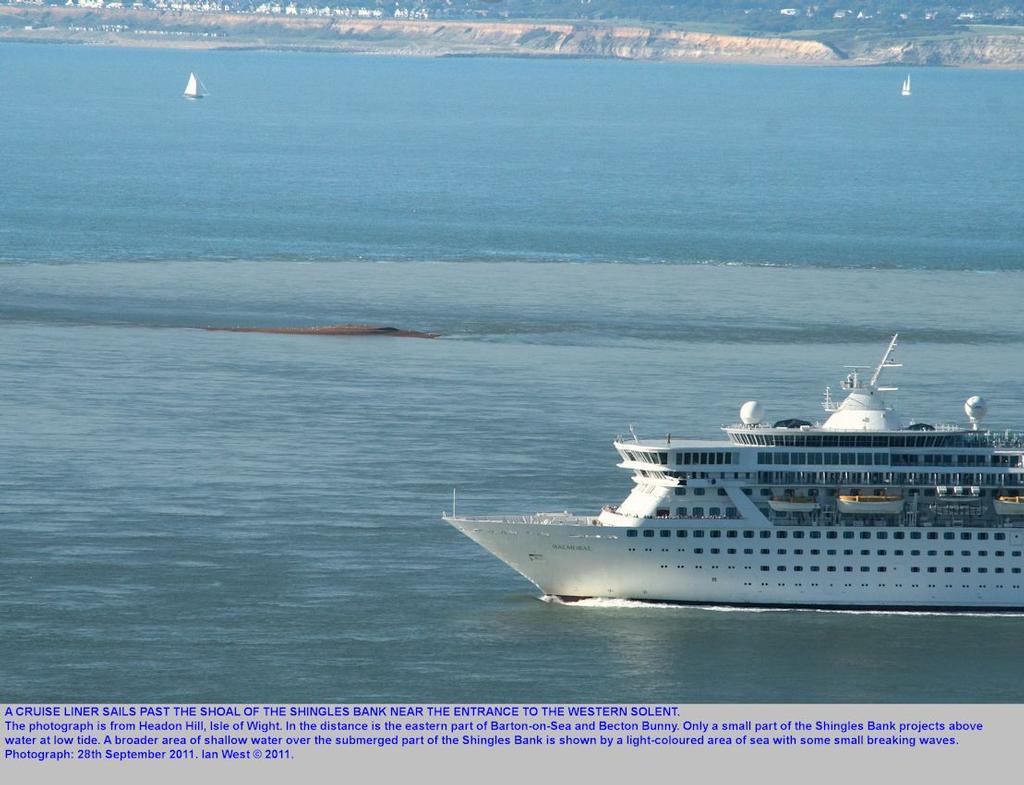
202, 516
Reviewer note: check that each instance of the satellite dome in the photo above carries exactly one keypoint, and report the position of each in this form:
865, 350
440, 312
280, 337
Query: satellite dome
976, 408
751, 413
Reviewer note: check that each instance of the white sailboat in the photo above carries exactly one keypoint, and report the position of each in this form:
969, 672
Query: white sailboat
906, 86
195, 88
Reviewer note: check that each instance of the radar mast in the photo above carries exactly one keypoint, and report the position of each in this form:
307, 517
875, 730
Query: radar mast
887, 362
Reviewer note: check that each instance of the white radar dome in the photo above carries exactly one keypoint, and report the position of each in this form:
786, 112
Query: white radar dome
751, 413
976, 407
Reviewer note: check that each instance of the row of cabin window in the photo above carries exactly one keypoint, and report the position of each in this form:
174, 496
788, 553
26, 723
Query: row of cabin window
817, 534
849, 552
824, 459
847, 568
875, 459
682, 491
963, 459
887, 478
835, 440
833, 492
713, 512
637, 456
691, 458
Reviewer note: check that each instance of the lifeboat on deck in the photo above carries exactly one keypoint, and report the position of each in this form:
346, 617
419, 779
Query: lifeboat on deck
871, 505
794, 504
1009, 505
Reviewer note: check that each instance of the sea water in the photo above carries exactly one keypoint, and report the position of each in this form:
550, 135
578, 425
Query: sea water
208, 516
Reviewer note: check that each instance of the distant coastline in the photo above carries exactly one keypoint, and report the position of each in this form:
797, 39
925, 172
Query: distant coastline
148, 28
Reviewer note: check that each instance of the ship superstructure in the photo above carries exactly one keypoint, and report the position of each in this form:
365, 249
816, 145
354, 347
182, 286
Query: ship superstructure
860, 511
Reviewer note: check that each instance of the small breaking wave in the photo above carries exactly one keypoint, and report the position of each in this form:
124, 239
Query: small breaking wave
610, 603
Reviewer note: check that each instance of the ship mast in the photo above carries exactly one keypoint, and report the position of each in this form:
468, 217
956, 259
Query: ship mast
886, 362
863, 409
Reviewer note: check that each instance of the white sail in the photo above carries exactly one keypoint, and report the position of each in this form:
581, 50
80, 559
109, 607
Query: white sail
194, 87
906, 85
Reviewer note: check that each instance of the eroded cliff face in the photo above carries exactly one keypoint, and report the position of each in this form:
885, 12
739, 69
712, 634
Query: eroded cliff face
437, 38
585, 41
424, 38
1005, 51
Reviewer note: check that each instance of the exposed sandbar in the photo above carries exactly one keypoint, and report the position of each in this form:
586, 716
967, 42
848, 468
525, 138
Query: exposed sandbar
331, 329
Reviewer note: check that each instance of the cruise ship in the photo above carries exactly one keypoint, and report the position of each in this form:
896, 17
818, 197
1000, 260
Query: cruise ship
860, 511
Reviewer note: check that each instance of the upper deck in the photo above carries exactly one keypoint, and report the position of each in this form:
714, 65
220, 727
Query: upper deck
861, 467
863, 420
906, 440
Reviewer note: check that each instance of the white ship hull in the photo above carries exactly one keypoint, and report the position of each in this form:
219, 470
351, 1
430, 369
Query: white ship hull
582, 560
854, 512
